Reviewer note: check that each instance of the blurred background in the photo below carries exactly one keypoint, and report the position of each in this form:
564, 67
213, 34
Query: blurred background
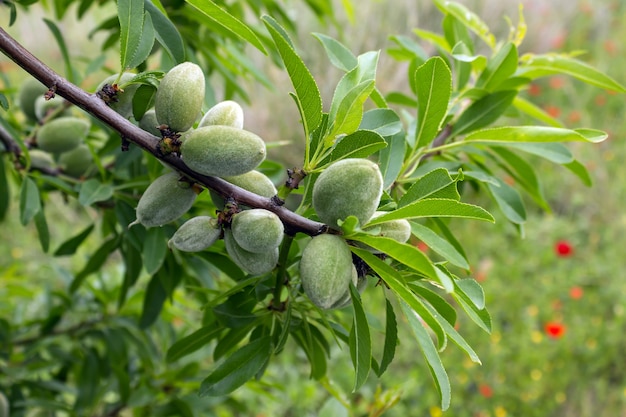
556, 295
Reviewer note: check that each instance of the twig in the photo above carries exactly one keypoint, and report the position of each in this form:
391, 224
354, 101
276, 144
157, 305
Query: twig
97, 108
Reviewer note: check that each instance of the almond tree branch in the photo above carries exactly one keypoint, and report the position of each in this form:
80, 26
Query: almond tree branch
97, 108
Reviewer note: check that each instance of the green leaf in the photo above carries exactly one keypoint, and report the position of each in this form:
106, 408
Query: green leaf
434, 85
484, 111
227, 21
313, 346
42, 230
436, 184
385, 122
87, 381
430, 354
350, 110
92, 191
469, 19
338, 54
146, 42
358, 144
360, 341
479, 316
435, 207
536, 112
4, 102
308, 95
5, 191
390, 158
70, 246
166, 33
473, 290
580, 171
191, 343
401, 252
535, 66
499, 68
132, 268
131, 17
535, 134
153, 301
363, 72
58, 36
95, 262
391, 338
551, 151
237, 368
438, 303
439, 245
154, 250
509, 201
30, 202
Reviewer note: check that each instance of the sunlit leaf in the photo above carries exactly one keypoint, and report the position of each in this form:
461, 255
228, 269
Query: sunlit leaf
434, 85
131, 18
439, 245
166, 33
435, 207
436, 184
338, 54
30, 202
535, 134
499, 68
484, 111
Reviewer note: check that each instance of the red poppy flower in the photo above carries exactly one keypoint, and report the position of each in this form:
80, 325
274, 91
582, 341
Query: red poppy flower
554, 329
563, 248
576, 293
485, 390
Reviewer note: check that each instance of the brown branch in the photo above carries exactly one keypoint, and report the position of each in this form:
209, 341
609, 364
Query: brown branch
97, 108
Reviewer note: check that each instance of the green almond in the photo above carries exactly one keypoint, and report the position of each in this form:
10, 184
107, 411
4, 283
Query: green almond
257, 230
225, 113
180, 95
62, 134
196, 234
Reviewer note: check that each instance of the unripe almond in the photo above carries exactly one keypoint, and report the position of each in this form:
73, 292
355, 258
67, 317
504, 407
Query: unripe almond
124, 98
225, 113
222, 150
44, 107
349, 187
77, 161
359, 282
31, 90
196, 234
398, 230
180, 95
249, 262
62, 134
164, 201
326, 270
253, 181
257, 230
149, 123
40, 159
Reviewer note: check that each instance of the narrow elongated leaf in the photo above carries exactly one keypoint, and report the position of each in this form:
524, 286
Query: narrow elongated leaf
30, 202
338, 54
436, 184
146, 42
131, 17
358, 144
191, 343
439, 245
154, 250
364, 71
484, 111
435, 207
307, 92
350, 110
499, 68
509, 201
227, 21
385, 122
390, 158
5, 191
87, 381
536, 66
391, 338
132, 268
469, 19
437, 302
434, 85
95, 262
431, 355
473, 290
42, 230
551, 151
479, 316
237, 368
58, 36
70, 246
401, 252
580, 171
535, 111
535, 134
92, 191
153, 301
166, 33
313, 349
396, 283
360, 341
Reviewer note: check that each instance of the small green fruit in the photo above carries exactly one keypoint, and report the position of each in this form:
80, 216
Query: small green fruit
180, 95
257, 230
222, 150
62, 134
76, 162
44, 107
164, 201
196, 234
40, 159
326, 270
349, 187
149, 123
251, 263
253, 181
124, 97
359, 282
225, 113
29, 93
398, 230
